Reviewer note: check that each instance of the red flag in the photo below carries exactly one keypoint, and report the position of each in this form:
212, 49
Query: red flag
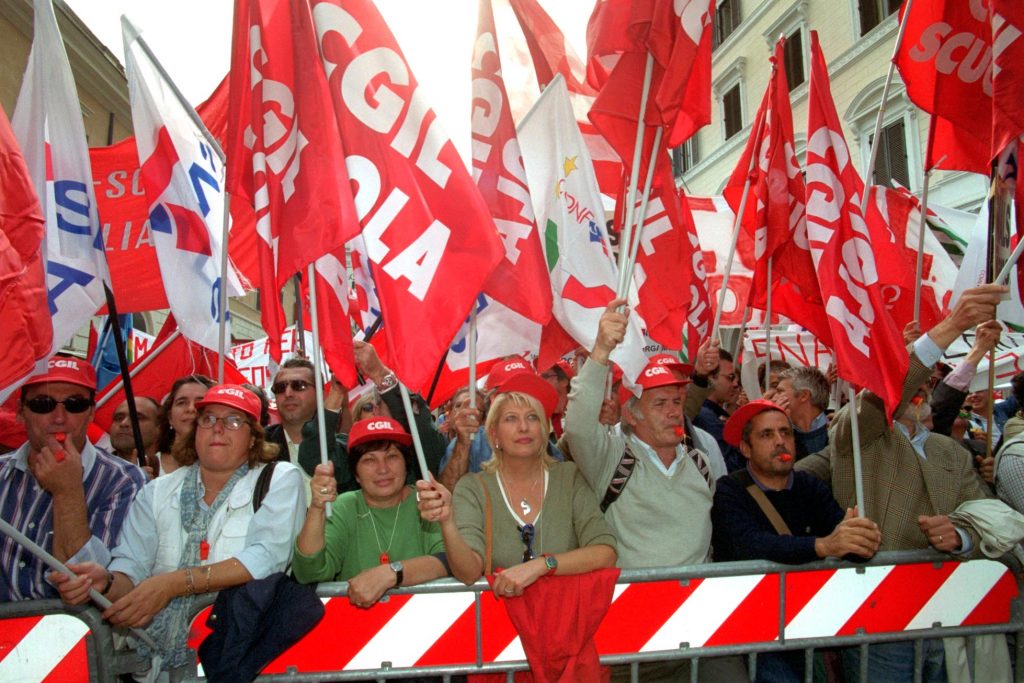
868, 346
521, 279
774, 223
964, 62
552, 55
285, 159
26, 333
154, 372
332, 306
429, 237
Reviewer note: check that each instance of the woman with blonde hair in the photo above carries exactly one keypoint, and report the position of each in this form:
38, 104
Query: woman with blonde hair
543, 517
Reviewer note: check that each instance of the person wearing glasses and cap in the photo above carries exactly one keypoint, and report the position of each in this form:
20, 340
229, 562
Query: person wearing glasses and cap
58, 488
543, 517
374, 538
220, 520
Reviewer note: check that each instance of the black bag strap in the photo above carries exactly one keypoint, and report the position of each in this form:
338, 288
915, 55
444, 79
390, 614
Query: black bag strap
623, 471
263, 485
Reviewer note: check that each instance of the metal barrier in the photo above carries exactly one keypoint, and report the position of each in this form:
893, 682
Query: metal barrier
692, 612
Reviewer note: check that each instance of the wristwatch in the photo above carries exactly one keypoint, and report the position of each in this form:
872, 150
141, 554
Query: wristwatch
388, 381
399, 571
550, 562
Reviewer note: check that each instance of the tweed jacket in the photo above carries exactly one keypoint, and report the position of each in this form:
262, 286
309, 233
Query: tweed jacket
899, 485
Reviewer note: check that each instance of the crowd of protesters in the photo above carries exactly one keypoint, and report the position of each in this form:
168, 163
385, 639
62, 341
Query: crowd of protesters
544, 472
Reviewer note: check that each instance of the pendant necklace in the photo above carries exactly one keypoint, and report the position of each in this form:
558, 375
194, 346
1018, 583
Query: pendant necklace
524, 504
384, 557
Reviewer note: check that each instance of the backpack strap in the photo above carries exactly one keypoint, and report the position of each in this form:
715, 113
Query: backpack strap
263, 485
623, 471
743, 477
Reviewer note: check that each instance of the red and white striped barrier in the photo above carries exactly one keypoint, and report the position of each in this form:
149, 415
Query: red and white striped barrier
439, 629
43, 648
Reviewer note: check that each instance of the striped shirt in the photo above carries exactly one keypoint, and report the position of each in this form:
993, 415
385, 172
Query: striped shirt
110, 485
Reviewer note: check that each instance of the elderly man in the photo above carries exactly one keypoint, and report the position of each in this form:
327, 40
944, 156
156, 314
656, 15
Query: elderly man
122, 440
913, 479
58, 489
804, 394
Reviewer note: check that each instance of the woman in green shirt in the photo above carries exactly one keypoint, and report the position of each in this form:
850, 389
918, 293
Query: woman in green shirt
544, 517
374, 538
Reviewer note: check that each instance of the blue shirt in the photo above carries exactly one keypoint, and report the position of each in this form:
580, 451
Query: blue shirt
110, 484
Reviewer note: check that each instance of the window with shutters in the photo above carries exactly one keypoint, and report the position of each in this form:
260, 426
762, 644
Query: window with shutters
732, 111
727, 18
685, 156
793, 58
892, 162
872, 12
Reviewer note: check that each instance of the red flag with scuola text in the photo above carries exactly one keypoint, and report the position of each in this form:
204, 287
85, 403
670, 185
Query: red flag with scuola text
774, 224
552, 54
964, 63
429, 237
154, 372
520, 280
285, 161
26, 333
868, 346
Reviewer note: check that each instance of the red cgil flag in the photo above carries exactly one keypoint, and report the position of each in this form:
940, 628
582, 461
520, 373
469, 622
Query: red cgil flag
429, 237
553, 55
285, 161
963, 62
521, 279
868, 346
26, 334
774, 223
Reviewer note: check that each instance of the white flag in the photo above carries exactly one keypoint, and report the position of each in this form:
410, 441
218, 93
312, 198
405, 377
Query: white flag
48, 125
184, 182
571, 219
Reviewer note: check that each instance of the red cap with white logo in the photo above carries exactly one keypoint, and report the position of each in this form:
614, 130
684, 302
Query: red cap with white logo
232, 396
668, 360
503, 369
66, 369
656, 374
378, 429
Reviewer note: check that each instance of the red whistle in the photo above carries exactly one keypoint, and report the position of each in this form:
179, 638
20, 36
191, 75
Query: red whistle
60, 436
785, 457
917, 400
678, 429
204, 550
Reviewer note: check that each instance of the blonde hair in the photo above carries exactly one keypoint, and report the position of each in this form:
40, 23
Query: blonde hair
498, 405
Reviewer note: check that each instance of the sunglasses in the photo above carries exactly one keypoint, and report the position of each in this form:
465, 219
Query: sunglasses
526, 533
231, 422
47, 404
295, 384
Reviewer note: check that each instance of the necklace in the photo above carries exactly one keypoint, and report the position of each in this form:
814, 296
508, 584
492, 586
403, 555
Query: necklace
524, 504
384, 557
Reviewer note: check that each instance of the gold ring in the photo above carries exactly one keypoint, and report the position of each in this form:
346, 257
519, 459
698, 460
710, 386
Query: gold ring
323, 492
509, 591
940, 538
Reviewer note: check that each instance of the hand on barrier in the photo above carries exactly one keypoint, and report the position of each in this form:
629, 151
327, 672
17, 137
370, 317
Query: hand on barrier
76, 591
435, 501
141, 604
854, 535
941, 533
367, 587
511, 582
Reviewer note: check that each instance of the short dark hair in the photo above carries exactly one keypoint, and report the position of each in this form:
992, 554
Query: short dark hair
722, 355
356, 454
1018, 389
166, 440
776, 366
297, 362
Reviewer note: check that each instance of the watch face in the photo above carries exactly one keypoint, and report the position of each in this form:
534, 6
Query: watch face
396, 566
551, 562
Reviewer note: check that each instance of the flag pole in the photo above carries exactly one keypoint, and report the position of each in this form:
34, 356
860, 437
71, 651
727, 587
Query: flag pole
122, 361
318, 379
634, 247
146, 360
197, 121
58, 566
634, 180
437, 376
735, 236
414, 430
768, 326
743, 330
924, 218
858, 468
472, 359
881, 113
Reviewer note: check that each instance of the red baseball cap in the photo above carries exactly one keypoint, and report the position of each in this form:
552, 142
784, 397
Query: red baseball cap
532, 384
503, 369
656, 374
378, 429
66, 369
566, 367
733, 430
668, 360
232, 396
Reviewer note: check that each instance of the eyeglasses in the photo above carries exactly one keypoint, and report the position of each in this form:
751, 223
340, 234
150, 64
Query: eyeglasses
47, 404
295, 384
231, 422
526, 533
